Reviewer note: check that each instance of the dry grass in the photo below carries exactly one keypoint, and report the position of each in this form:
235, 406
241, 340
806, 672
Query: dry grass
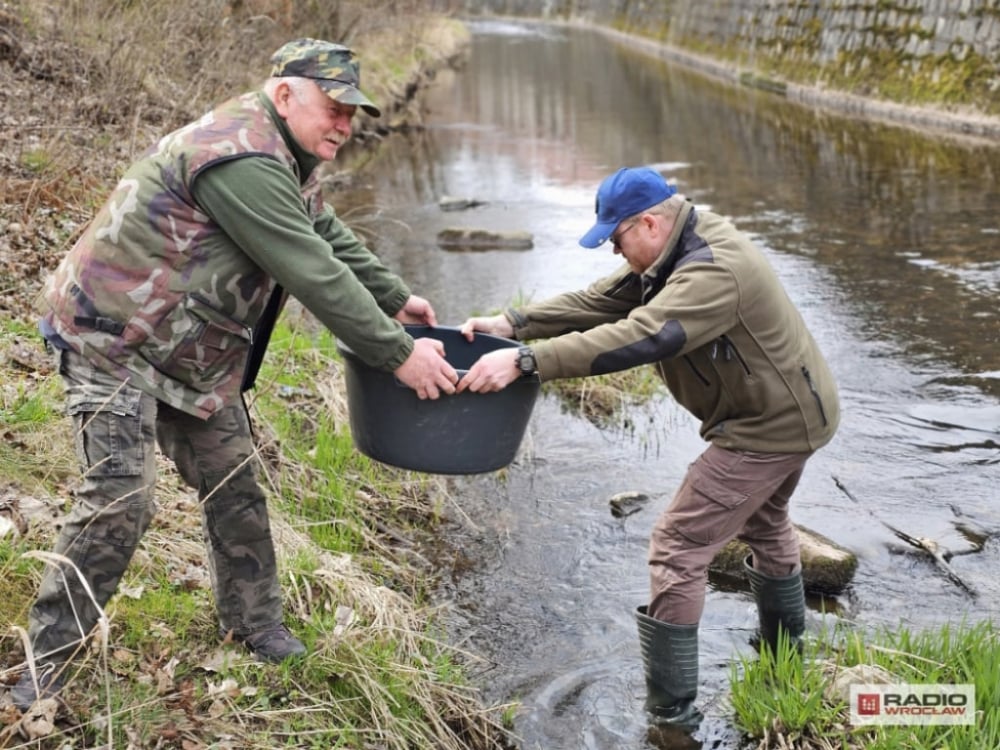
604, 400
378, 675
85, 86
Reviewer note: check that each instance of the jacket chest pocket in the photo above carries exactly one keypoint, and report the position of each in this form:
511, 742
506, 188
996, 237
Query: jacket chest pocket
198, 345
719, 362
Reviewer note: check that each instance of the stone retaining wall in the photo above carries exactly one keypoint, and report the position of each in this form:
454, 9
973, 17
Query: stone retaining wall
822, 31
924, 52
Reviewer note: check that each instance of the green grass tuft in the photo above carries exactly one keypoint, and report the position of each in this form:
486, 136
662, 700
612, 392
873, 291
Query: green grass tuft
787, 696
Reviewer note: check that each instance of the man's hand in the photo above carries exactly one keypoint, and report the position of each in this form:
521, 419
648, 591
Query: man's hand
496, 325
427, 371
491, 372
417, 311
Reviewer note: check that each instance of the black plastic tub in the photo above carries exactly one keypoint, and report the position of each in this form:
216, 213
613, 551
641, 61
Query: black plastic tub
467, 433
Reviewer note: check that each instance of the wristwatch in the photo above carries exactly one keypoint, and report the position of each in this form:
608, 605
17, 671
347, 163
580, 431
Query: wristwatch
526, 361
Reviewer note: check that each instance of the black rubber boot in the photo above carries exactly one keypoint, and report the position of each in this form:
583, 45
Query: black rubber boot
26, 692
670, 657
781, 605
274, 644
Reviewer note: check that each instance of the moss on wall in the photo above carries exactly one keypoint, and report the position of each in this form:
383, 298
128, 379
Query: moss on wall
926, 52
787, 46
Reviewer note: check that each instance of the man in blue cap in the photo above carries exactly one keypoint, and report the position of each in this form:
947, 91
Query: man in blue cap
699, 301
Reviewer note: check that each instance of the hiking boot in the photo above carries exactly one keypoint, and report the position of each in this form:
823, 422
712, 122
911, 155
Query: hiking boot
273, 644
24, 695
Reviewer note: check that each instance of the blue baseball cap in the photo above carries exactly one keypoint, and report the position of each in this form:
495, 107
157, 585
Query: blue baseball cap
629, 191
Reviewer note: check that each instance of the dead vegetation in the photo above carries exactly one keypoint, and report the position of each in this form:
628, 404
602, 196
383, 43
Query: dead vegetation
155, 675
85, 86
604, 400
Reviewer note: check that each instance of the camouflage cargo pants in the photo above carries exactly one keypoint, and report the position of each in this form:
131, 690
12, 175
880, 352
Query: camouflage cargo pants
116, 429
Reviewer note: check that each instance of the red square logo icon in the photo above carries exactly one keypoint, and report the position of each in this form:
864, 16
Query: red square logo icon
869, 704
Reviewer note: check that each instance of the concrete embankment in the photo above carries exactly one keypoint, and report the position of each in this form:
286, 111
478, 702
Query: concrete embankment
928, 64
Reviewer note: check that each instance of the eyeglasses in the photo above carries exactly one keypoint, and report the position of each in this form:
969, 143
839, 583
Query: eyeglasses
616, 239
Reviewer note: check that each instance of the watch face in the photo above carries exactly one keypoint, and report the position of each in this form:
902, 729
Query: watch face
526, 361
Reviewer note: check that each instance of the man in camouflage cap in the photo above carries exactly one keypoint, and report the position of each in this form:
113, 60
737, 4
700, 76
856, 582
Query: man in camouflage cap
159, 317
332, 66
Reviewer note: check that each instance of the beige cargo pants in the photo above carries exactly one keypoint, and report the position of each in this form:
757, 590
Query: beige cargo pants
725, 494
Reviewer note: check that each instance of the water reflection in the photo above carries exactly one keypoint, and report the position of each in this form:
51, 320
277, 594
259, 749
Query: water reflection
887, 241
907, 225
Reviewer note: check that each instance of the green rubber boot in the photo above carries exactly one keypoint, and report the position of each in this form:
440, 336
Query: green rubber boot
670, 657
781, 605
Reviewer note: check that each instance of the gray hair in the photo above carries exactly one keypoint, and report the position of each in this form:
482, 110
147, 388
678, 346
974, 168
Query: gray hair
299, 86
669, 209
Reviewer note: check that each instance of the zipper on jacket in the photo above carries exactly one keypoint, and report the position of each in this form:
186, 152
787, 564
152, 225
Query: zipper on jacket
645, 290
697, 373
815, 393
729, 351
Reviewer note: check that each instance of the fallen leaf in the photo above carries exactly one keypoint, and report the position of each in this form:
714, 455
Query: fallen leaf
217, 709
169, 732
228, 687
224, 659
164, 682
40, 720
123, 656
132, 592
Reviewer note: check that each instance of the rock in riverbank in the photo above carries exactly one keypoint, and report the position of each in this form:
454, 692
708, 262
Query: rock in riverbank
460, 238
827, 568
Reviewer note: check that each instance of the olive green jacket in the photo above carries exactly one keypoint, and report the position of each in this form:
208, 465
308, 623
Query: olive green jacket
712, 317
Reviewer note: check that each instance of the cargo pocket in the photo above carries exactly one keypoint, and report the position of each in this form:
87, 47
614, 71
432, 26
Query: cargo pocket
705, 514
107, 427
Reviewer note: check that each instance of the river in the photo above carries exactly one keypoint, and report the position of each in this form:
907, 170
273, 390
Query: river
889, 242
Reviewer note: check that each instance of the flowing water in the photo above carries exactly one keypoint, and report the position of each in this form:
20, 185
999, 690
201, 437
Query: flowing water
887, 240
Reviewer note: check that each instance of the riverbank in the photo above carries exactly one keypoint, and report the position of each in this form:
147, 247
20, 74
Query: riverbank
84, 88
356, 590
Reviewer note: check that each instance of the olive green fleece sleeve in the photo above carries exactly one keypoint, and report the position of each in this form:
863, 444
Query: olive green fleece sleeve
608, 328
604, 301
256, 202
390, 291
697, 304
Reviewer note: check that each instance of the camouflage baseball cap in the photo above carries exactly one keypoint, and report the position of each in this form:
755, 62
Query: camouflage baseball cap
332, 66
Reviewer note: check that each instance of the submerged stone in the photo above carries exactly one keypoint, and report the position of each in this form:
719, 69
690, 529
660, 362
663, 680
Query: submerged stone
626, 503
462, 238
453, 203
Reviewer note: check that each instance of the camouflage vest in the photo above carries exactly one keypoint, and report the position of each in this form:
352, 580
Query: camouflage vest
141, 296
